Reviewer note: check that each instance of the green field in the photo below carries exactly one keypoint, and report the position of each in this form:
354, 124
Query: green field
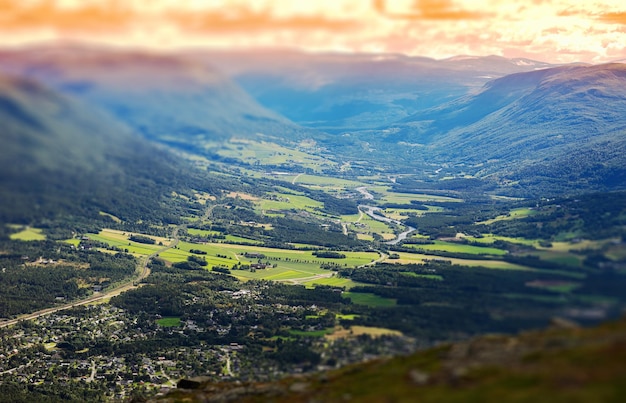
364, 224
564, 258
120, 240
28, 234
407, 258
327, 182
427, 276
331, 281
288, 201
290, 264
403, 213
203, 233
388, 196
266, 153
348, 316
242, 240
459, 248
168, 322
490, 264
490, 238
512, 215
369, 299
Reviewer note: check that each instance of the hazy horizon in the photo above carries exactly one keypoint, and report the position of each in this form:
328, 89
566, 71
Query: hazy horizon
555, 31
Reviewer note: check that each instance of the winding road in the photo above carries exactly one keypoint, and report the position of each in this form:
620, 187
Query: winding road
142, 272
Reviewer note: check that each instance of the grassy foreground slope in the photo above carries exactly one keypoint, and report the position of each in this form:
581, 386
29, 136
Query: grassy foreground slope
561, 364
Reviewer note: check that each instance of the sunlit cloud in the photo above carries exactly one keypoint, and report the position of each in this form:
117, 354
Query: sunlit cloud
427, 10
550, 30
87, 18
240, 19
615, 18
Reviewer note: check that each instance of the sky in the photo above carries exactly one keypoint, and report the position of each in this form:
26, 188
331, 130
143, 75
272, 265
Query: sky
556, 31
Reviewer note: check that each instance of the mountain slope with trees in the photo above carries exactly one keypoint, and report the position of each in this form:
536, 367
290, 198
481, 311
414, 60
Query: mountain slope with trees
61, 158
166, 98
561, 128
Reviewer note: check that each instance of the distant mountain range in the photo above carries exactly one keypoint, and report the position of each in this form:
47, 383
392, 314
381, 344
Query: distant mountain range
164, 97
565, 124
527, 127
344, 92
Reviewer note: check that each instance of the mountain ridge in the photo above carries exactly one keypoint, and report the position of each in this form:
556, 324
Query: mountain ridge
63, 158
343, 92
164, 97
567, 117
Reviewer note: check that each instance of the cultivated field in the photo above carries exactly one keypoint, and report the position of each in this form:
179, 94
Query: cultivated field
459, 248
28, 234
291, 265
386, 195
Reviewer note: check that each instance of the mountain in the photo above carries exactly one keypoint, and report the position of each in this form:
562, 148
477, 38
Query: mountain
164, 97
343, 92
561, 364
59, 157
562, 125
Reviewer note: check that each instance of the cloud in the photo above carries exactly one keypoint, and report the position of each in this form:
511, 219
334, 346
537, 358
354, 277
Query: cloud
242, 19
614, 18
429, 10
48, 15
552, 30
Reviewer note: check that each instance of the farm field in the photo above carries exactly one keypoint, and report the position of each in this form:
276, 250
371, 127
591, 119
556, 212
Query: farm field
203, 233
28, 234
459, 248
403, 213
331, 281
490, 238
512, 215
327, 182
290, 264
120, 240
579, 245
428, 276
242, 240
365, 225
355, 331
408, 258
266, 153
369, 299
558, 252
386, 195
565, 258
289, 201
72, 241
168, 322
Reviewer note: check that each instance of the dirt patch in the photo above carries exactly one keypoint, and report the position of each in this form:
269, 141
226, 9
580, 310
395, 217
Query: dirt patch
355, 331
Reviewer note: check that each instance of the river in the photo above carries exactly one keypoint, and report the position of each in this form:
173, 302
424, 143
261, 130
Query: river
370, 211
